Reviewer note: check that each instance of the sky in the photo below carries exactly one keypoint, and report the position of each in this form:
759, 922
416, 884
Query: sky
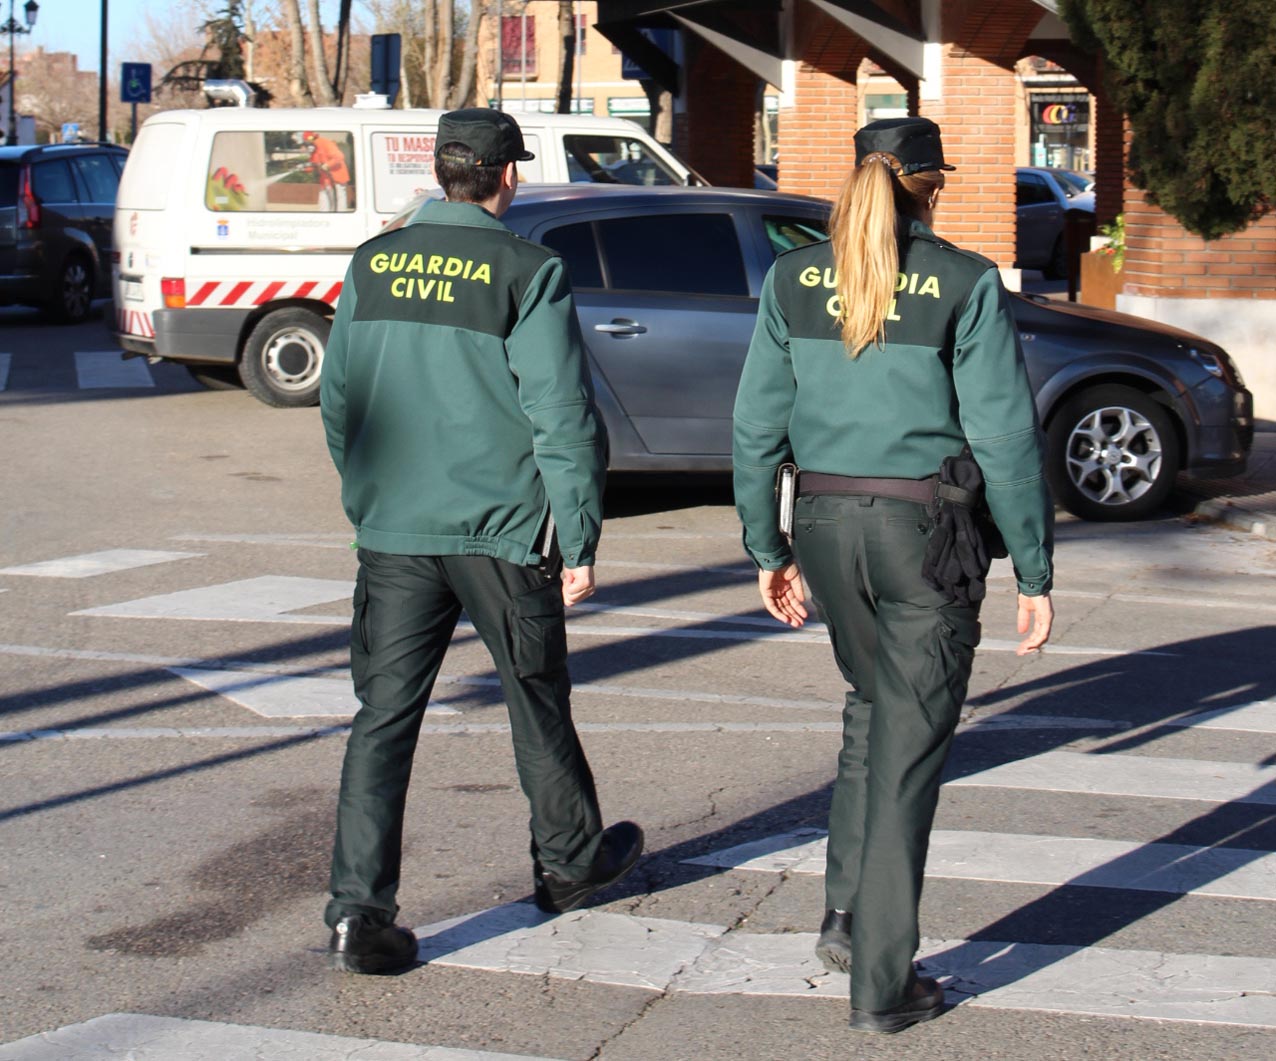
76, 26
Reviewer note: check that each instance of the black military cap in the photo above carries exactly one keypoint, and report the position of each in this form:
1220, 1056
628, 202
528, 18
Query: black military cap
914, 141
492, 135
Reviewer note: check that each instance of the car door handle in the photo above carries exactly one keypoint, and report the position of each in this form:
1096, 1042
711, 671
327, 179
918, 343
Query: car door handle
621, 327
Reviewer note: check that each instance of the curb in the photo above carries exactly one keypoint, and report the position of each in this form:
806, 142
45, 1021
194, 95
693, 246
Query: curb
1224, 512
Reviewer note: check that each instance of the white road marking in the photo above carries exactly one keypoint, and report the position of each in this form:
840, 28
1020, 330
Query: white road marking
87, 565
310, 541
1026, 859
1132, 775
1256, 717
168, 733
139, 1037
684, 957
107, 369
271, 599
5, 361
286, 696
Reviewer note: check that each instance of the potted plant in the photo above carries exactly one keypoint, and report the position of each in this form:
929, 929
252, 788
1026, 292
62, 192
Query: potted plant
1101, 269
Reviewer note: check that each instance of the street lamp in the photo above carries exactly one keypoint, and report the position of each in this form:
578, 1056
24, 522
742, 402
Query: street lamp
12, 27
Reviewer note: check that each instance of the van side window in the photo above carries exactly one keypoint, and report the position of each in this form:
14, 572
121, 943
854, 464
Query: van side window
580, 253
605, 159
698, 254
276, 170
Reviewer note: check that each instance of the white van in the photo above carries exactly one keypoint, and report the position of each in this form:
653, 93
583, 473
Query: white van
234, 226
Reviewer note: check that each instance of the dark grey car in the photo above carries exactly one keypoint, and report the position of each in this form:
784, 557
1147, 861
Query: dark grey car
57, 204
667, 282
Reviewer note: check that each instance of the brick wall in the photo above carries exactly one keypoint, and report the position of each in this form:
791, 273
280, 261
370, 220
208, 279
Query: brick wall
817, 135
1163, 259
717, 138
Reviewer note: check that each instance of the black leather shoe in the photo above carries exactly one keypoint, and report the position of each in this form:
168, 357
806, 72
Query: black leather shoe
618, 851
359, 945
833, 948
925, 1002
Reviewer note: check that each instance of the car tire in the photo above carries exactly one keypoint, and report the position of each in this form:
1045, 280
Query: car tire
216, 377
71, 298
283, 357
1113, 454
1057, 266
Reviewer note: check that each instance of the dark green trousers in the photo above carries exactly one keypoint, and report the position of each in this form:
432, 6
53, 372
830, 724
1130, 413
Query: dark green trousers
908, 653
405, 610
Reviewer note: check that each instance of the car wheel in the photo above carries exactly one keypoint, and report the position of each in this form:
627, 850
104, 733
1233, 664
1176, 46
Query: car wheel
283, 356
1057, 267
216, 377
1113, 454
70, 300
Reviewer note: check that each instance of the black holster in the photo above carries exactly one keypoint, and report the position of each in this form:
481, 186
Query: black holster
964, 539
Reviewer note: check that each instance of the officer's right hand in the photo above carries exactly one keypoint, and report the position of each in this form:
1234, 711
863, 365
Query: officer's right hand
1039, 613
783, 595
578, 583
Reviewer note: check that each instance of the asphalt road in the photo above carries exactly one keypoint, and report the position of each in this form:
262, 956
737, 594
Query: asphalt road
174, 579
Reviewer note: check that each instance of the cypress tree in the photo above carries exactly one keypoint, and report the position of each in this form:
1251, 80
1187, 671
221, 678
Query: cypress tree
1197, 81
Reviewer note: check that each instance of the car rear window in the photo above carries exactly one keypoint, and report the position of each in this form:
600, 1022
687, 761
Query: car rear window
99, 176
696, 254
52, 182
147, 174
8, 184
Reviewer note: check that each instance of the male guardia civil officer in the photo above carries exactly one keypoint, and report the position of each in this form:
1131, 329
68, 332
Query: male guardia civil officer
459, 412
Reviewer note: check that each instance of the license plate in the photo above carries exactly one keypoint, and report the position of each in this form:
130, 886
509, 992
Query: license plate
132, 291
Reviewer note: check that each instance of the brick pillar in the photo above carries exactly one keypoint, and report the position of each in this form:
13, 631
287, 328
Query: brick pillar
817, 135
1109, 159
982, 41
717, 138
977, 117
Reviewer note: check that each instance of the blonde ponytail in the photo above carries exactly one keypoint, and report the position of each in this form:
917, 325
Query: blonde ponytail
864, 232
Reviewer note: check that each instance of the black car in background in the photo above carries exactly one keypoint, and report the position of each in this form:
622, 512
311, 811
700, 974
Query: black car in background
667, 282
57, 203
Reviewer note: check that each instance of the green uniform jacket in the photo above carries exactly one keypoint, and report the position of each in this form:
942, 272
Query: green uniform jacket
456, 394
951, 370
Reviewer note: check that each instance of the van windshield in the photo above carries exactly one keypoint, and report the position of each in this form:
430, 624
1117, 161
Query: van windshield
603, 159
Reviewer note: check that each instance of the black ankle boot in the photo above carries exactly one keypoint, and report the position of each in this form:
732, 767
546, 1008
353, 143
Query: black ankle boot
833, 948
359, 945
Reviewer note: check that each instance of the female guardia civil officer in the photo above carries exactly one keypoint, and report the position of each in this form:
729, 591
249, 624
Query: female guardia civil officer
878, 354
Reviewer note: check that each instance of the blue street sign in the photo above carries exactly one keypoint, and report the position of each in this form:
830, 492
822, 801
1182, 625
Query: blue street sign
70, 132
386, 50
661, 38
135, 82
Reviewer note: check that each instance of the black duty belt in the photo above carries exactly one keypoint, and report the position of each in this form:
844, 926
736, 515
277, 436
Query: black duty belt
923, 491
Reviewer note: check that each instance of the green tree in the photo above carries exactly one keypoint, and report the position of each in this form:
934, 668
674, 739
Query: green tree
1197, 81
225, 34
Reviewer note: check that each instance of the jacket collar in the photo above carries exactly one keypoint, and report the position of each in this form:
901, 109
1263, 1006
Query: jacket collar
440, 211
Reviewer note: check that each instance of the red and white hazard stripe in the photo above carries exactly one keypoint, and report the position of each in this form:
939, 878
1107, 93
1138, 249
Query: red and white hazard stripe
244, 294
134, 322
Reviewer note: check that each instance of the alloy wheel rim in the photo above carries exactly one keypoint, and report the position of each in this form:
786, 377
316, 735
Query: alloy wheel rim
75, 290
1114, 455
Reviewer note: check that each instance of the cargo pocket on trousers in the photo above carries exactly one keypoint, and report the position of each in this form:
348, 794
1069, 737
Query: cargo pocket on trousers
359, 647
958, 638
538, 632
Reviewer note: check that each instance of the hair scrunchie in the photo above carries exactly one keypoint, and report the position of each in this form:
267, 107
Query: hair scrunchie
885, 160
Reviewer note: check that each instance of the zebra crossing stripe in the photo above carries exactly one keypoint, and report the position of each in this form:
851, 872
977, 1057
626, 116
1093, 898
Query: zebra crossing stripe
5, 361
102, 369
703, 959
87, 565
139, 1037
1017, 858
1132, 775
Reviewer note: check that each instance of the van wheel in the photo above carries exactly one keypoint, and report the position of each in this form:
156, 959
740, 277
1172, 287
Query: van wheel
283, 356
1113, 454
216, 377
69, 301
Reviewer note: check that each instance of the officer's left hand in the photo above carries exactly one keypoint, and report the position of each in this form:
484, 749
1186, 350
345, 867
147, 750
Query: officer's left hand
578, 583
782, 594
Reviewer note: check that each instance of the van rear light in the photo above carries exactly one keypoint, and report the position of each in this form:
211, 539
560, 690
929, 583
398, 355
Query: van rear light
174, 292
28, 204
115, 257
